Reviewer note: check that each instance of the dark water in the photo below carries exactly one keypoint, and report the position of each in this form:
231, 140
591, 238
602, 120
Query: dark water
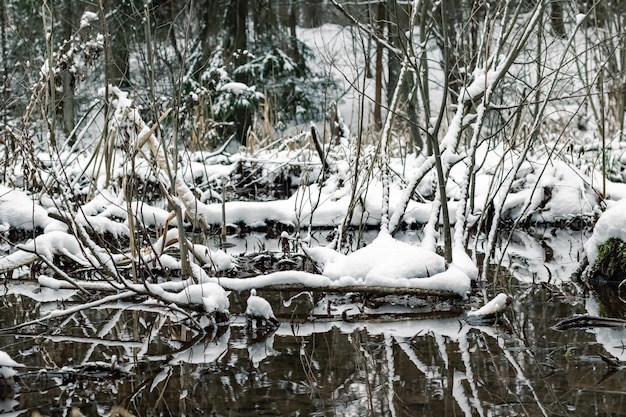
398, 363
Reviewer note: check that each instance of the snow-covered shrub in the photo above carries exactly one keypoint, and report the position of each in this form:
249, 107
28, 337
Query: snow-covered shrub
217, 107
606, 249
288, 85
234, 108
268, 93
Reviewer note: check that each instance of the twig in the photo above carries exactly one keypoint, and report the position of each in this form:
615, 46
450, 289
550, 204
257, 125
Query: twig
69, 311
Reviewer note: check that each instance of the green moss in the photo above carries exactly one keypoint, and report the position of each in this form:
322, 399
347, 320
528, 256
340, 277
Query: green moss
611, 261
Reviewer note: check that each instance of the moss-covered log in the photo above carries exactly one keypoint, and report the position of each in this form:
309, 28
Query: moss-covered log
609, 268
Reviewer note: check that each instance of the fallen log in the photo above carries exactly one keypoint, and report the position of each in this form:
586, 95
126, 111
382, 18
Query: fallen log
585, 321
296, 286
365, 289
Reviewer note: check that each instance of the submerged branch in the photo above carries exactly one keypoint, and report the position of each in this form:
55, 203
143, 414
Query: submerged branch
69, 311
586, 321
366, 289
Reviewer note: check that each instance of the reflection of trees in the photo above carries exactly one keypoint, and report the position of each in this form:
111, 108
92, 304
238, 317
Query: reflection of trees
403, 368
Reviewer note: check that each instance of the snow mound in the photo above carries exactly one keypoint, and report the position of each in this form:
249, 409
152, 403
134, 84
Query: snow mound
388, 262
210, 295
384, 258
611, 224
55, 243
259, 308
235, 88
19, 210
7, 364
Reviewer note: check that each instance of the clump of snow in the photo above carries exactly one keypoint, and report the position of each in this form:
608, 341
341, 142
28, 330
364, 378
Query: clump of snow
87, 18
453, 280
497, 305
389, 262
462, 260
483, 80
19, 210
7, 364
540, 193
611, 224
210, 295
216, 260
56, 243
384, 258
236, 88
274, 278
569, 194
259, 308
198, 172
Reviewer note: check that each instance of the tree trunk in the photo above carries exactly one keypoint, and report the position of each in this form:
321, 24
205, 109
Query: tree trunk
236, 35
68, 79
4, 99
412, 110
210, 18
378, 94
293, 36
394, 28
556, 17
117, 67
313, 13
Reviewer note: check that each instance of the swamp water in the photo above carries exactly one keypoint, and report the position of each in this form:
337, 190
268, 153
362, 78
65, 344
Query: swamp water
408, 358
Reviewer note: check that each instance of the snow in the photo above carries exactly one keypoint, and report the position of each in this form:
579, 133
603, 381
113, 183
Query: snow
211, 296
384, 262
275, 278
236, 88
19, 210
463, 261
384, 258
87, 18
259, 308
217, 260
482, 80
542, 191
56, 243
497, 305
7, 364
611, 224
388, 262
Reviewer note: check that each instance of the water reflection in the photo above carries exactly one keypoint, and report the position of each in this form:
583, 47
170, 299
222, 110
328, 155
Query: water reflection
385, 367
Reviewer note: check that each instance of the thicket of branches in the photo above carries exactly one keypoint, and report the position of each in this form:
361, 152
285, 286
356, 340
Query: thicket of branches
114, 87
124, 120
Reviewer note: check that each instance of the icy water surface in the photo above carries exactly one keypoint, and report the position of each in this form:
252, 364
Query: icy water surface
403, 361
